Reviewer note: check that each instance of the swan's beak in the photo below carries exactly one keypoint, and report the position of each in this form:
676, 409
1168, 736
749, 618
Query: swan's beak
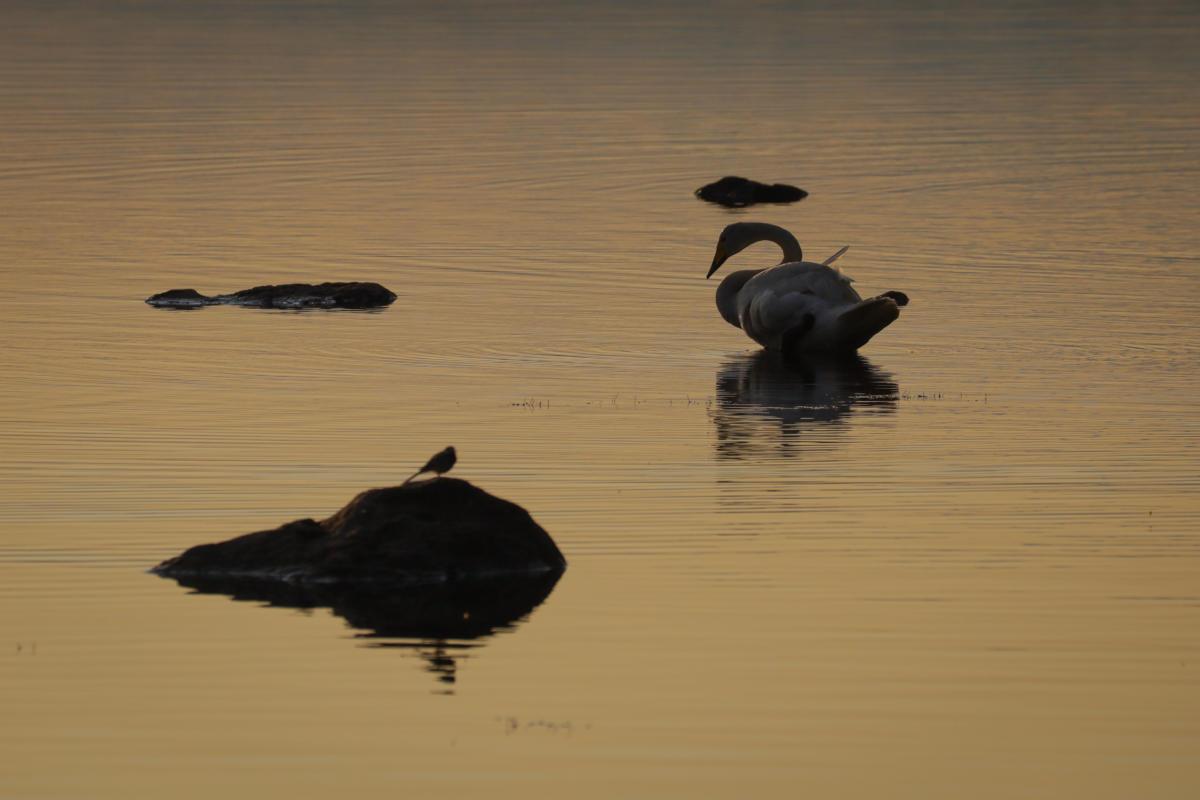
719, 258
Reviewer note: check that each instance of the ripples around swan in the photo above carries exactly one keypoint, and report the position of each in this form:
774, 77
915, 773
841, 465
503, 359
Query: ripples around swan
767, 404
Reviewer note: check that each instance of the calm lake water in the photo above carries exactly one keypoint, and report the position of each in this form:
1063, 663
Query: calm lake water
967, 566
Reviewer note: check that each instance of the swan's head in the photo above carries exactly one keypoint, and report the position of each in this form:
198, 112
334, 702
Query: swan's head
740, 235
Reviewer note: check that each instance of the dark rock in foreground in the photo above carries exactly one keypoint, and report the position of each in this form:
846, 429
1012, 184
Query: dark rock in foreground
734, 192
437, 530
286, 295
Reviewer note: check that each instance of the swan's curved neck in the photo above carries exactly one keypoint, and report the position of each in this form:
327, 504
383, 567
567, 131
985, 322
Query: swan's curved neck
727, 294
783, 238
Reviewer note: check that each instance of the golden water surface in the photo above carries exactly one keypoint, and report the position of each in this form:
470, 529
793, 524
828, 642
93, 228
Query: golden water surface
967, 566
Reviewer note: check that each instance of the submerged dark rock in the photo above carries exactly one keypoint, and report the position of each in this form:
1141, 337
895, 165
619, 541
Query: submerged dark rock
287, 295
181, 298
437, 530
734, 192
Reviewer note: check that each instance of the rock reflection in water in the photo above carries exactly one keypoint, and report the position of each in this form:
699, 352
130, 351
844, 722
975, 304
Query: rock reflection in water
440, 622
765, 401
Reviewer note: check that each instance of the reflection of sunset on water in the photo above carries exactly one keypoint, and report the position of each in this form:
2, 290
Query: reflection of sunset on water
964, 567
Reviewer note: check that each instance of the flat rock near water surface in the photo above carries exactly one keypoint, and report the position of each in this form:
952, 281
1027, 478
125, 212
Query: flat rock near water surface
287, 295
734, 192
436, 530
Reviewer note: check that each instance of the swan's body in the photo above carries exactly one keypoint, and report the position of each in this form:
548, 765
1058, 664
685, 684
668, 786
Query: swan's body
798, 305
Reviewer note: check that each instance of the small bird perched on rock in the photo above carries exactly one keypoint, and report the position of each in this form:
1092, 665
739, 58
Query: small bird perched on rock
441, 463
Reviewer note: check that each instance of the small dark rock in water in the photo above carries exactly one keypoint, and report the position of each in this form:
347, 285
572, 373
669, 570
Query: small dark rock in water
286, 295
430, 531
181, 298
734, 192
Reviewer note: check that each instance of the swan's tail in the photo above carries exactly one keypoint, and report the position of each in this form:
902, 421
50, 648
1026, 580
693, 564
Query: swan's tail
858, 324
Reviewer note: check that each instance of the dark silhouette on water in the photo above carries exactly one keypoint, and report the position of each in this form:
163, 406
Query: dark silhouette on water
425, 532
432, 566
796, 306
441, 463
440, 622
768, 401
287, 295
735, 192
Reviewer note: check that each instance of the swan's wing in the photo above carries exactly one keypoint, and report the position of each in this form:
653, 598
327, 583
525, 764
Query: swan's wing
835, 256
828, 283
766, 315
778, 299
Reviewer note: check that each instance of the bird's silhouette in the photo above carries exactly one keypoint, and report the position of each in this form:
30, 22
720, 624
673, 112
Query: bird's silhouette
797, 306
441, 463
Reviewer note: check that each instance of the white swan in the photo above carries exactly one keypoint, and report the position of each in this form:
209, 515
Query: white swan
797, 306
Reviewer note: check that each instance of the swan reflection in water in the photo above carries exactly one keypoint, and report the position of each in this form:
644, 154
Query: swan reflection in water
441, 623
765, 400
